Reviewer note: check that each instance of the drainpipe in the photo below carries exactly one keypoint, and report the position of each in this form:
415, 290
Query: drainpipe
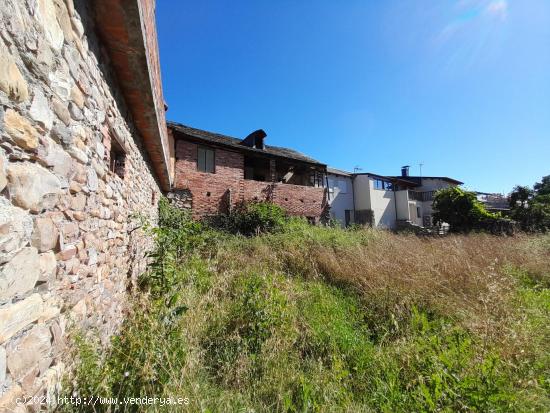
326, 182
395, 204
353, 195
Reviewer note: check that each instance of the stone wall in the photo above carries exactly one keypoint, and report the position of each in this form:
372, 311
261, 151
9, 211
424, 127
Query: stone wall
209, 193
70, 237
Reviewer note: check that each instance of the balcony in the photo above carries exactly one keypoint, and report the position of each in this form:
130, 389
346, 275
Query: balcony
421, 196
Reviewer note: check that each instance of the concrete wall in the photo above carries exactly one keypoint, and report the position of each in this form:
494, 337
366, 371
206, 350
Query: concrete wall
340, 200
413, 214
381, 202
70, 243
383, 206
430, 184
362, 188
402, 202
208, 193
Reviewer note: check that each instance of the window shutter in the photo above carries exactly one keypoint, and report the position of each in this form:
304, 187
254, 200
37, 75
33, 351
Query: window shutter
209, 161
205, 160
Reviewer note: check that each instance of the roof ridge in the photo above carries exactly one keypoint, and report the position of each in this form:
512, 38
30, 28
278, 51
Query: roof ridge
291, 153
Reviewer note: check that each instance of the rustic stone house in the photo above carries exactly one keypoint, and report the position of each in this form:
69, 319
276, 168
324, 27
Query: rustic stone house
214, 172
84, 156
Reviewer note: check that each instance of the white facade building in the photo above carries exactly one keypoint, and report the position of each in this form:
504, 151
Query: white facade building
385, 201
340, 196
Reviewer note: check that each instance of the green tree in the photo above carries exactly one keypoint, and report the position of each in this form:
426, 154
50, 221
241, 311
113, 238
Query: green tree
531, 207
543, 187
520, 195
461, 210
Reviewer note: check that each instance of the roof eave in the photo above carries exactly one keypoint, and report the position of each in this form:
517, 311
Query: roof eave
237, 148
127, 28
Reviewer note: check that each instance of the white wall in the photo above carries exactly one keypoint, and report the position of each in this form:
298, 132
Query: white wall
361, 185
413, 205
388, 206
383, 206
340, 197
381, 202
402, 201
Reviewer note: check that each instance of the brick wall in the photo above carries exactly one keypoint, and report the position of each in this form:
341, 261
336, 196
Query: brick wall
210, 192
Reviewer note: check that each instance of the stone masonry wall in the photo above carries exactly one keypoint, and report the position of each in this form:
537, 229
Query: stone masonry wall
207, 193
70, 237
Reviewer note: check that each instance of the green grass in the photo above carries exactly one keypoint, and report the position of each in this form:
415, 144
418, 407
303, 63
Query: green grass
305, 321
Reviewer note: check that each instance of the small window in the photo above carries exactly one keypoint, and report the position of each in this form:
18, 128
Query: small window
383, 185
117, 159
418, 215
205, 160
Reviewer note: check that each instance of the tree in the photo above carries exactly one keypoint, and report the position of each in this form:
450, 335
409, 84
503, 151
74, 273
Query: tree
543, 187
531, 207
461, 210
520, 195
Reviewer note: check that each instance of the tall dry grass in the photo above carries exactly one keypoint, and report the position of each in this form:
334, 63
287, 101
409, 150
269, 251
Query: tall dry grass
322, 319
471, 279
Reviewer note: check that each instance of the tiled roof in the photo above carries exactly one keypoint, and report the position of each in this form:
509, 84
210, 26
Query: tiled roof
236, 143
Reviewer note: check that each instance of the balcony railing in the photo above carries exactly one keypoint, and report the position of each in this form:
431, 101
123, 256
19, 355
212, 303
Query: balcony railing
421, 196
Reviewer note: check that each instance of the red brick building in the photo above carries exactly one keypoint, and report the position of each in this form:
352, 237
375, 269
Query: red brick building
214, 172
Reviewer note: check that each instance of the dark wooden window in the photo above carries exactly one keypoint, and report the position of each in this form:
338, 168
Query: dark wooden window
117, 159
206, 160
317, 179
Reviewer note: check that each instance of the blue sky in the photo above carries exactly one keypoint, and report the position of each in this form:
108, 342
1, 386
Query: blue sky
461, 86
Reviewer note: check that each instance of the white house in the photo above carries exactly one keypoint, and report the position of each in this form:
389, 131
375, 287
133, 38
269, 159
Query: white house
340, 196
389, 201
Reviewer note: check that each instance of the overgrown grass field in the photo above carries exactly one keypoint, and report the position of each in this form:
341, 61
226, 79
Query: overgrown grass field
317, 319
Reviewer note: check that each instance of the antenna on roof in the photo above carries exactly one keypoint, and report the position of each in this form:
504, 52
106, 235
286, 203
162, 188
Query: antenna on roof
421, 165
357, 169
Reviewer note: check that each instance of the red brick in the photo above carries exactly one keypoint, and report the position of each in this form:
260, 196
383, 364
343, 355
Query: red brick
210, 191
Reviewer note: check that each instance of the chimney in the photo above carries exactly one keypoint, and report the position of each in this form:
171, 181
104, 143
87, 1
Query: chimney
255, 139
405, 170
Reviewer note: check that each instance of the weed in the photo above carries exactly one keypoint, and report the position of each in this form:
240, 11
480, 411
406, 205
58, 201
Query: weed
311, 319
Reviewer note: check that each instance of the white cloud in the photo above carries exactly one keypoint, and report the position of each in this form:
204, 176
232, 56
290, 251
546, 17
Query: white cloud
498, 9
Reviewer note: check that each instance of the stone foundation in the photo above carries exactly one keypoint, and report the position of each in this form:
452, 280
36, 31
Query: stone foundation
70, 241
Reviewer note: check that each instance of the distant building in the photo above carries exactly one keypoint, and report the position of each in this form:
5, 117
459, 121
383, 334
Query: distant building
214, 173
494, 202
385, 201
340, 196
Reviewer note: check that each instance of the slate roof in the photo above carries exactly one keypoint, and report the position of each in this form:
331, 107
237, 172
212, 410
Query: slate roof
418, 179
236, 143
390, 178
335, 171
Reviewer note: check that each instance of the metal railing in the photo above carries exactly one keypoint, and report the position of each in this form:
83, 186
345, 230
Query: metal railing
421, 196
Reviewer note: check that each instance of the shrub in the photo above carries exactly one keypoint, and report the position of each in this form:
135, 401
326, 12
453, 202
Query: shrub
463, 212
251, 218
324, 319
